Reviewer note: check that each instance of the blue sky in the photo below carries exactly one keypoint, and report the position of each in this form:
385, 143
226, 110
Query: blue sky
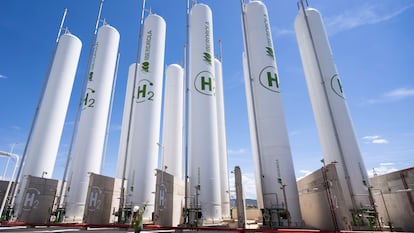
372, 43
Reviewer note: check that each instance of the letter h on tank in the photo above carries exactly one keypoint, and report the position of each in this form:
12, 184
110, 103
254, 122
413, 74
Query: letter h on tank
204, 83
271, 79
142, 90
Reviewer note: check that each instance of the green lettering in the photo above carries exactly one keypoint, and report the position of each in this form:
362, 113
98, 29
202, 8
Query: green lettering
142, 91
340, 86
145, 66
270, 79
86, 99
203, 83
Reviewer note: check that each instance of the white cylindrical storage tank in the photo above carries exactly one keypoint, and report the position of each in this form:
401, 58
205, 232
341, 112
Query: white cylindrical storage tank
144, 147
172, 138
202, 138
88, 147
275, 168
125, 122
172, 133
42, 150
222, 141
334, 124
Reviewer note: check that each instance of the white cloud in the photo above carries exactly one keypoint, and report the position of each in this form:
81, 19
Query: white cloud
392, 96
306, 172
3, 76
303, 173
116, 127
380, 141
364, 15
371, 137
283, 32
367, 14
236, 151
249, 185
387, 164
374, 139
400, 93
382, 169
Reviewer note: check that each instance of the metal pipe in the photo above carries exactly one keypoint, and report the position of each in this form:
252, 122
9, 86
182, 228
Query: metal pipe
386, 209
410, 198
78, 111
65, 11
6, 194
329, 197
162, 185
8, 160
187, 112
220, 57
98, 18
122, 195
371, 199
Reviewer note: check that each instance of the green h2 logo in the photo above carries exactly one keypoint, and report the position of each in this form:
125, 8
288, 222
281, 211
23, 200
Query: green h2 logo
144, 91
269, 79
205, 83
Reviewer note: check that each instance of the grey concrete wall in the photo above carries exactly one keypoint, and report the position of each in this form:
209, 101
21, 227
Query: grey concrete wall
313, 199
3, 188
116, 197
99, 199
38, 198
394, 196
168, 210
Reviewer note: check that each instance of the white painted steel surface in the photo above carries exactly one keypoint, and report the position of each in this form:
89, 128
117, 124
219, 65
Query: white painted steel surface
222, 141
203, 138
43, 148
125, 122
143, 152
335, 128
172, 140
88, 148
42, 151
267, 119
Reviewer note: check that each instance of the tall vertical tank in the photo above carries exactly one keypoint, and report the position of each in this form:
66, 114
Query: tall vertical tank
88, 148
42, 151
143, 154
172, 138
43, 148
222, 141
335, 128
270, 143
125, 122
202, 139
